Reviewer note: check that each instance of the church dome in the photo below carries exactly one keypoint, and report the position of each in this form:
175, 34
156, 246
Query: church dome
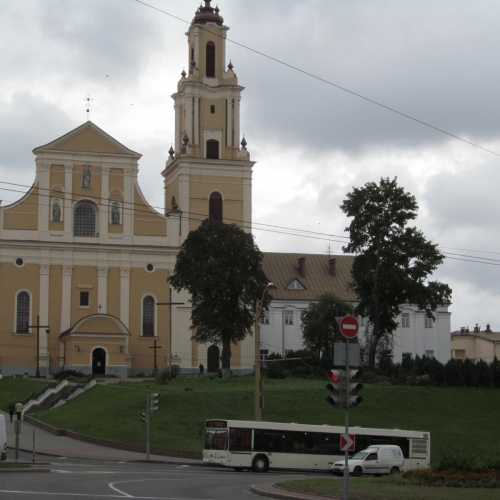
208, 14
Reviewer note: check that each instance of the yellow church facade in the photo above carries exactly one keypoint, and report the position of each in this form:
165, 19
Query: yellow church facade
85, 260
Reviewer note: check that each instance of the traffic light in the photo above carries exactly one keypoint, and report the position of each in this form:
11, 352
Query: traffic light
354, 389
337, 389
154, 402
143, 416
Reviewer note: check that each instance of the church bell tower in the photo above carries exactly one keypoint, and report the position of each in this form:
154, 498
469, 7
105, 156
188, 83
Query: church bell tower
209, 172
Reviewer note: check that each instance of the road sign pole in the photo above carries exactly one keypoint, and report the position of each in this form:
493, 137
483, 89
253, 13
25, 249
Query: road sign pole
348, 397
148, 427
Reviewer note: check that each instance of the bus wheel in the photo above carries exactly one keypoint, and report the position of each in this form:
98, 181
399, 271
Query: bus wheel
358, 471
260, 463
395, 470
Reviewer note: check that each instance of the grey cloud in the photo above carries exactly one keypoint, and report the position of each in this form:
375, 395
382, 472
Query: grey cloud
467, 200
28, 121
80, 41
431, 59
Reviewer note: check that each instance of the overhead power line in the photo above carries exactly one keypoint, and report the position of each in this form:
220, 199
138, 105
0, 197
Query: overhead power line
386, 107
197, 217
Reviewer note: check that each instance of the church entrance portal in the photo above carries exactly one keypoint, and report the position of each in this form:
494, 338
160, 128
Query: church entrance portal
99, 362
213, 359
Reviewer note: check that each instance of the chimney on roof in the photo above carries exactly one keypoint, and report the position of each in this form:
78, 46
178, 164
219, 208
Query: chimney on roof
332, 266
488, 328
301, 266
477, 328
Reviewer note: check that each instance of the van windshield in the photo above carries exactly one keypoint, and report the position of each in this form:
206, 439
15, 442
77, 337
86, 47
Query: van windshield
361, 455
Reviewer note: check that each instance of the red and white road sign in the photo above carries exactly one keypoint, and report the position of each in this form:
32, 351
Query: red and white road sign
347, 442
349, 327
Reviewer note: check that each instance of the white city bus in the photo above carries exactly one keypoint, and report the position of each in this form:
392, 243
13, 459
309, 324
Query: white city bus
263, 445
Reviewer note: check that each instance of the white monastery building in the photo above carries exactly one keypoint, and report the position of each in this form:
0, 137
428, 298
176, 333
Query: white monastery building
301, 279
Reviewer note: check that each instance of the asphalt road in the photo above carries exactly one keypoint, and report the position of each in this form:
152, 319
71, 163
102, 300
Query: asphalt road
75, 479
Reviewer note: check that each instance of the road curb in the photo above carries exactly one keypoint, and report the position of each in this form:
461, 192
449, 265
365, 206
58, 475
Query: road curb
18, 470
273, 491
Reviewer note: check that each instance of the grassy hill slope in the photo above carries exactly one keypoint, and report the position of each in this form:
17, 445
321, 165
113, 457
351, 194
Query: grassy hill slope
463, 418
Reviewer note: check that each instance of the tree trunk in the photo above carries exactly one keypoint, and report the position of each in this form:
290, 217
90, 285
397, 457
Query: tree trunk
226, 357
372, 352
375, 338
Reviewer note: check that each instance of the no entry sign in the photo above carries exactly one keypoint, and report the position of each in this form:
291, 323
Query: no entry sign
349, 327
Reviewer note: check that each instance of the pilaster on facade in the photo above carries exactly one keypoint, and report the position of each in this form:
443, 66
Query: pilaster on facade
128, 206
43, 312
68, 201
102, 290
67, 275
43, 178
125, 295
104, 208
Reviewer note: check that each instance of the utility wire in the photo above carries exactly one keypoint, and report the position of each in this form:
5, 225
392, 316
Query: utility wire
331, 83
198, 217
451, 256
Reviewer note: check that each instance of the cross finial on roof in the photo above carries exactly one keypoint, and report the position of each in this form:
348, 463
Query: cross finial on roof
88, 104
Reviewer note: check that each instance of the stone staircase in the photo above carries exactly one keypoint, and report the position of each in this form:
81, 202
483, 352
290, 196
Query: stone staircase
57, 396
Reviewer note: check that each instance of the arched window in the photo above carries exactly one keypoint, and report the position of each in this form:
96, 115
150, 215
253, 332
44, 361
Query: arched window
22, 312
210, 63
148, 316
215, 207
84, 219
116, 213
212, 149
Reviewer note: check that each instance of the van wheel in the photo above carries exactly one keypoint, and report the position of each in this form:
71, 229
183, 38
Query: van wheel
358, 471
260, 463
395, 470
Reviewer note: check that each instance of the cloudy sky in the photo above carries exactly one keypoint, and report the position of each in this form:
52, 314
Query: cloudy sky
435, 60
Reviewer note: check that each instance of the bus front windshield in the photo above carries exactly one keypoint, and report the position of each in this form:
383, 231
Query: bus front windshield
216, 439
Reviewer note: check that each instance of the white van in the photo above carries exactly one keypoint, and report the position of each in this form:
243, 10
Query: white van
3, 438
377, 459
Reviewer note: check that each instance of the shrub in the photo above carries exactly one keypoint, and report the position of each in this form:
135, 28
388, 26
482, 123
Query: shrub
454, 478
166, 375
458, 460
275, 370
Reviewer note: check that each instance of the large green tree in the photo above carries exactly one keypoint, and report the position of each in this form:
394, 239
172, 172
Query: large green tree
319, 325
394, 262
221, 267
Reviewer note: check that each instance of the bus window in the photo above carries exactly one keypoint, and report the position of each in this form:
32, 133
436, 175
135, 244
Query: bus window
240, 439
276, 441
216, 440
365, 441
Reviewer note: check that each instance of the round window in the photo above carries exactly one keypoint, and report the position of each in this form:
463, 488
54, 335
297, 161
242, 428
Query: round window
150, 268
19, 262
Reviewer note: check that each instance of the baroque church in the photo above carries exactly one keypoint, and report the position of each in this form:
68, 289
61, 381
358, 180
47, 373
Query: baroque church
85, 260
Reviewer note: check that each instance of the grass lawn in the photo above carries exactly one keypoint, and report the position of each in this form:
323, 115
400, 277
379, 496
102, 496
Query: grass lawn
13, 389
456, 417
388, 489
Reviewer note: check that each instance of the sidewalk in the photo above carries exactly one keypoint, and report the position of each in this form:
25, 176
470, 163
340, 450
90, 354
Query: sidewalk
63, 446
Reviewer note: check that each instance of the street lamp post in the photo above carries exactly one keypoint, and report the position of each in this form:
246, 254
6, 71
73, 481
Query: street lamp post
258, 368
